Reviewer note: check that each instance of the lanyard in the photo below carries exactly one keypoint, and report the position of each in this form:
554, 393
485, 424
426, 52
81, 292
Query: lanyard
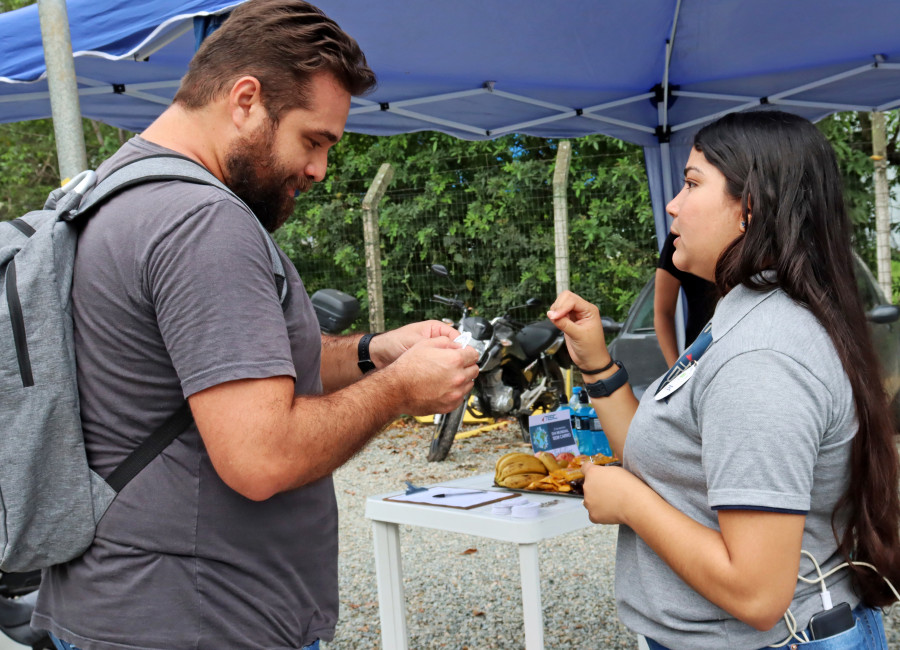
684, 368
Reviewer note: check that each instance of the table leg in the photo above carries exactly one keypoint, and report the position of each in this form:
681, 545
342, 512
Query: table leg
531, 596
389, 576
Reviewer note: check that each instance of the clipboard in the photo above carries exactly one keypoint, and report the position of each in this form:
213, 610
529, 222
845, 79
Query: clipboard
462, 502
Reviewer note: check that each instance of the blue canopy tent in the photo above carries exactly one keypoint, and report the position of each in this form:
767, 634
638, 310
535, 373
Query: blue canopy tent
649, 72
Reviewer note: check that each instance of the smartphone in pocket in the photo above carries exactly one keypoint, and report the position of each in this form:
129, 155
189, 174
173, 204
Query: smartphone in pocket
831, 622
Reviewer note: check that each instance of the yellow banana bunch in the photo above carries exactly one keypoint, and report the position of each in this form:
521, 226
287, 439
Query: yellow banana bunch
549, 461
516, 470
520, 481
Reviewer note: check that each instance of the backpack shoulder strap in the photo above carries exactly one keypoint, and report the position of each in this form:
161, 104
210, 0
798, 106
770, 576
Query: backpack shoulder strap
167, 167
151, 447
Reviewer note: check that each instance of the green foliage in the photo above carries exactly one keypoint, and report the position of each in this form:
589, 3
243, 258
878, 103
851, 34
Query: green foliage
9, 5
28, 165
28, 169
485, 211
851, 136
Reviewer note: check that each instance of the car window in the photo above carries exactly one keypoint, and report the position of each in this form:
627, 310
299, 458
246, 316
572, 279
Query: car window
643, 317
869, 291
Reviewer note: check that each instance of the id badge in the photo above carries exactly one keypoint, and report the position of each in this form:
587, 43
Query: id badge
677, 382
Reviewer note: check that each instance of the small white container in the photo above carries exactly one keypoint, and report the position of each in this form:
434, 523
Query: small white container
526, 510
505, 507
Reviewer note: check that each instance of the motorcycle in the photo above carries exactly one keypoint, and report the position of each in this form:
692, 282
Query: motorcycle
335, 311
520, 370
18, 593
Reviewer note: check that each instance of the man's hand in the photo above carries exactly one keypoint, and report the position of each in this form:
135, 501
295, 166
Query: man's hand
435, 374
386, 348
580, 321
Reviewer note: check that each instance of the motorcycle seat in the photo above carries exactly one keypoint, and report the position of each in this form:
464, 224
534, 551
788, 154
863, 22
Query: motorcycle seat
537, 337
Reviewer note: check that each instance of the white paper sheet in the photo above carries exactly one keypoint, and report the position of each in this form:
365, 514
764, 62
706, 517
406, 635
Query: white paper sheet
455, 497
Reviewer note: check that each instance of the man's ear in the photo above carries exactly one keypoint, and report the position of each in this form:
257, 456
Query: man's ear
245, 103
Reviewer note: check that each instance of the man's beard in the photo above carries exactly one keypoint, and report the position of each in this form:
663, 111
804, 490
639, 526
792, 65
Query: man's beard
253, 173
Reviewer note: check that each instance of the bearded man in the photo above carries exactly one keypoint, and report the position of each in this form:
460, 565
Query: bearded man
228, 538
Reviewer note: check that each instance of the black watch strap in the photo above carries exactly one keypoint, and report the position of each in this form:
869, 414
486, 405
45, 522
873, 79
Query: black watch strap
362, 349
608, 386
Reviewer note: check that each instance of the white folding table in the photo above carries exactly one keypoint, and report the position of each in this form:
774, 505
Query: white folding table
563, 517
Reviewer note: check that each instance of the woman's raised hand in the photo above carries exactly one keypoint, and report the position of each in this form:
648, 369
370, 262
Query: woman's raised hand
579, 320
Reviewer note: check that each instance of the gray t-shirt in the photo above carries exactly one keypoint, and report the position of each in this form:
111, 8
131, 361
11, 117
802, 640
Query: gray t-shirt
174, 293
765, 422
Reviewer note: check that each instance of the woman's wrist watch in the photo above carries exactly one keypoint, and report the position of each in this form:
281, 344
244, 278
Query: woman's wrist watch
608, 386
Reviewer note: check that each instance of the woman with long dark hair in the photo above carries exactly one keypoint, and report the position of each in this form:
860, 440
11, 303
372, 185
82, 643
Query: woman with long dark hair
758, 499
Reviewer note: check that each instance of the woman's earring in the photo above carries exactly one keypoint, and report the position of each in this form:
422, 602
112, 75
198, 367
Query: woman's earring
743, 226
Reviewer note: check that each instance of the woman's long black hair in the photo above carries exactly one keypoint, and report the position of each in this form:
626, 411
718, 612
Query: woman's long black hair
785, 174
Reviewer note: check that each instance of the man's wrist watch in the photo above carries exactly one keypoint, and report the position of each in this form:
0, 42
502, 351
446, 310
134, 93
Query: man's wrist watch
362, 349
608, 386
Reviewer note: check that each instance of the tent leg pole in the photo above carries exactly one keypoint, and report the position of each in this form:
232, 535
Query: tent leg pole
63, 87
561, 225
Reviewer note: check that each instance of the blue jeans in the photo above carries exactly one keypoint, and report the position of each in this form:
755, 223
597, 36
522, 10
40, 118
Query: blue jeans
868, 634
64, 645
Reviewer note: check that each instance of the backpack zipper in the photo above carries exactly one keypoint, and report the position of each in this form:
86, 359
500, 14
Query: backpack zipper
18, 325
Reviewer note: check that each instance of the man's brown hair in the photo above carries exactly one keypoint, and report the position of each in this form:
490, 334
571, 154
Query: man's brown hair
282, 43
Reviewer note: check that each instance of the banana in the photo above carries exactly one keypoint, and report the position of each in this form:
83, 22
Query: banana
505, 459
549, 460
520, 481
527, 465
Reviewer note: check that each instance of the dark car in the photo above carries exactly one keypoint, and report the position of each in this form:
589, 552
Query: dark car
637, 348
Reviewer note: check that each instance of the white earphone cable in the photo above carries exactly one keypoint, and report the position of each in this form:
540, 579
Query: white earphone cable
791, 622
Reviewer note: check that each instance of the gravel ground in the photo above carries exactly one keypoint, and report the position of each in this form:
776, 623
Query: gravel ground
463, 592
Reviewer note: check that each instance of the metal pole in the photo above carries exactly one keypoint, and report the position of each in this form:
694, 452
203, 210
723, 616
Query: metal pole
882, 216
561, 214
64, 105
372, 241
561, 226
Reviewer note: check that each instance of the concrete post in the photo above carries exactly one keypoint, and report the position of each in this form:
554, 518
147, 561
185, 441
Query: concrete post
372, 241
561, 214
64, 103
882, 197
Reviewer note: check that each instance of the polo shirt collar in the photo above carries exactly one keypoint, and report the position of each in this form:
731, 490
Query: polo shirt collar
737, 303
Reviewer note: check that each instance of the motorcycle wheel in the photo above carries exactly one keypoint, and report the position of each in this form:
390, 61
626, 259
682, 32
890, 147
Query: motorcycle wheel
444, 433
548, 402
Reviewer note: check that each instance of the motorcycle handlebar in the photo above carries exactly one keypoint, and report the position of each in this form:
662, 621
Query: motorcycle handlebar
453, 302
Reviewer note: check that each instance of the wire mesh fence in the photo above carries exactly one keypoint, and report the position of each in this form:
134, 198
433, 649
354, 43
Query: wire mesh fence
492, 227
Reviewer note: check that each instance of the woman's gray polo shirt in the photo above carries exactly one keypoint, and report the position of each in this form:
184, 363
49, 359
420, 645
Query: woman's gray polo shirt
765, 422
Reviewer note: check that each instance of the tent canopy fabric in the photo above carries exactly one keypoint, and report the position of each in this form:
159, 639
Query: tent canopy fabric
649, 72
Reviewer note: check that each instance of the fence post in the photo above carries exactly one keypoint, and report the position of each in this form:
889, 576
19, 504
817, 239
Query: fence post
882, 205
561, 214
372, 241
